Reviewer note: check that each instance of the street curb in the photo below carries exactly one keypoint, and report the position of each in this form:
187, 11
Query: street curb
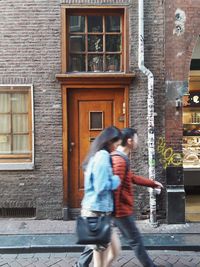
35, 243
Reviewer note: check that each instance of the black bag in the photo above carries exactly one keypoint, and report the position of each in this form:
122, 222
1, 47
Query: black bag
93, 230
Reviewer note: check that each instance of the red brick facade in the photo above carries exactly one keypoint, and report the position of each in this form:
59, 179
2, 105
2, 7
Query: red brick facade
182, 25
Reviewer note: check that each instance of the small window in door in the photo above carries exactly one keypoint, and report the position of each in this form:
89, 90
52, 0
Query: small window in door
96, 120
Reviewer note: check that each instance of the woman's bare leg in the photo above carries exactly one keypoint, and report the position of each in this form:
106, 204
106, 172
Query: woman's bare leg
114, 248
97, 257
106, 257
100, 258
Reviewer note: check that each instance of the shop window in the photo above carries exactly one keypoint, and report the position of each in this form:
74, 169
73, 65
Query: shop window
95, 40
16, 127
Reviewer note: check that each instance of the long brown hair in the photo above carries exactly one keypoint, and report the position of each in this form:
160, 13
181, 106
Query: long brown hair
108, 136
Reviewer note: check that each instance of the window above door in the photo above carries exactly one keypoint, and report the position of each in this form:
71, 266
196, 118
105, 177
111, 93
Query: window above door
94, 40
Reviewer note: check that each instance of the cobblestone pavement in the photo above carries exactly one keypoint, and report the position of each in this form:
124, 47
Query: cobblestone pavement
126, 259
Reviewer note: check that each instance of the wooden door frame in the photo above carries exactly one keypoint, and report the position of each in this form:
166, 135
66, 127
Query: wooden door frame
71, 83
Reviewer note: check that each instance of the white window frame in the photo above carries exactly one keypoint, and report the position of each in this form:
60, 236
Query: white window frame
21, 165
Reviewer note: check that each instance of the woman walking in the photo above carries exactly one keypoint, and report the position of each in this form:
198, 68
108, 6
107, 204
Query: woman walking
99, 183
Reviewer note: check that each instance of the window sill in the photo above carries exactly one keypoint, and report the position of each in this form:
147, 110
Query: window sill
100, 78
16, 166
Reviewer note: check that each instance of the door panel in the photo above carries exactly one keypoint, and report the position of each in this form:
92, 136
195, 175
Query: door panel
88, 130
90, 111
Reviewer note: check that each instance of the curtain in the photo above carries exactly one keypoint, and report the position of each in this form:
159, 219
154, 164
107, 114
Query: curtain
5, 144
14, 130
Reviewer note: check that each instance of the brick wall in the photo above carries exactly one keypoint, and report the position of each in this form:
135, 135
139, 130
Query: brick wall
30, 53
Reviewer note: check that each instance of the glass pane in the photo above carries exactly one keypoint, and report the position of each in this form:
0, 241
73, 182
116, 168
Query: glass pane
113, 43
113, 63
95, 63
77, 24
95, 24
5, 144
77, 63
4, 123
19, 103
96, 120
4, 103
95, 43
77, 43
20, 123
112, 23
20, 144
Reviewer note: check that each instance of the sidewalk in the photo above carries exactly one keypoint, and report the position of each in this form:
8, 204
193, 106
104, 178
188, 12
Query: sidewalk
32, 226
29, 235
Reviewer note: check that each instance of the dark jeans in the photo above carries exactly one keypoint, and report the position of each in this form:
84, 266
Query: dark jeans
132, 235
85, 258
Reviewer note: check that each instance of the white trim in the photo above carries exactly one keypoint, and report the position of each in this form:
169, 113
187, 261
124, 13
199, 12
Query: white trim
16, 166
22, 165
33, 132
22, 85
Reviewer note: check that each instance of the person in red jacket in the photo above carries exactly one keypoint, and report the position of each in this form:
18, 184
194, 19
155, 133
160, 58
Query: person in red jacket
124, 199
123, 215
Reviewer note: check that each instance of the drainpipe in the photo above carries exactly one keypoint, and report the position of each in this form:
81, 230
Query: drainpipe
150, 110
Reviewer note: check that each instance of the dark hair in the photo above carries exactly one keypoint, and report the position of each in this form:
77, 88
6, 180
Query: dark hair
108, 136
126, 134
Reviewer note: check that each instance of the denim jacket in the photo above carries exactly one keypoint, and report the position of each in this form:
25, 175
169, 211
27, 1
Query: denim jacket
99, 183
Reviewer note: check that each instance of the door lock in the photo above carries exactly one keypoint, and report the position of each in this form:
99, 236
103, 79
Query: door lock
72, 144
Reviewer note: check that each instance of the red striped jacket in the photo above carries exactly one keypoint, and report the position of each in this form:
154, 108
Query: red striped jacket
123, 196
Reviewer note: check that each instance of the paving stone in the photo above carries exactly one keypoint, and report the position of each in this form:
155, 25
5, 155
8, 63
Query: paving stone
64, 263
173, 259
38, 264
125, 259
9, 256
179, 264
15, 264
59, 255
25, 255
42, 255
52, 262
24, 262
196, 260
3, 263
159, 261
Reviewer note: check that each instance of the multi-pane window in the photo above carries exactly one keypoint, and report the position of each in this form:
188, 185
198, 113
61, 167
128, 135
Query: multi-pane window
95, 42
15, 124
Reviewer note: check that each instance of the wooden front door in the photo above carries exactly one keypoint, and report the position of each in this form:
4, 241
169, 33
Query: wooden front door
89, 112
